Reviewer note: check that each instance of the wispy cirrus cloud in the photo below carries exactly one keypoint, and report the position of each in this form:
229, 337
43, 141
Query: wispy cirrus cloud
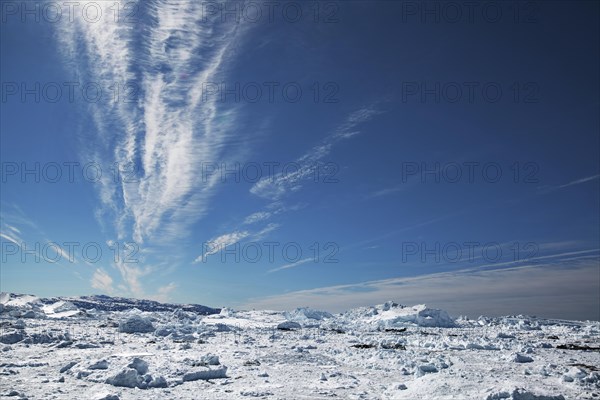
164, 292
168, 128
547, 189
385, 192
277, 186
101, 280
221, 242
35, 238
291, 265
131, 284
161, 127
257, 217
13, 229
218, 243
579, 181
10, 238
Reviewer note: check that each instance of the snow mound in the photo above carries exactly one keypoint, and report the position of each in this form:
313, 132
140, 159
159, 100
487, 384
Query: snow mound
136, 324
177, 331
206, 374
522, 394
68, 366
127, 378
521, 358
289, 326
11, 337
210, 359
391, 316
182, 314
16, 300
227, 312
135, 375
304, 313
139, 365
60, 306
21, 305
61, 309
101, 364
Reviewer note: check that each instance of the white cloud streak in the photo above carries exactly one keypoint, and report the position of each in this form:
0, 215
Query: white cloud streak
10, 239
257, 217
102, 281
385, 192
169, 129
220, 243
277, 186
290, 265
579, 181
44, 248
160, 126
164, 292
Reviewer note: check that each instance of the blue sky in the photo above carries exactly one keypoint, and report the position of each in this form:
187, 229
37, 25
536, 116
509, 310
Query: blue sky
361, 153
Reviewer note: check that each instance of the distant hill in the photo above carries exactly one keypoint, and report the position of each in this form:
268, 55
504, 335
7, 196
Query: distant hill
108, 303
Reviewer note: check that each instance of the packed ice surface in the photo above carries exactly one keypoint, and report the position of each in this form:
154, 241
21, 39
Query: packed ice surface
86, 348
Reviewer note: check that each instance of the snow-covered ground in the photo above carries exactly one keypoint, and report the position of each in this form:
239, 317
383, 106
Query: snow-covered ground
69, 349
